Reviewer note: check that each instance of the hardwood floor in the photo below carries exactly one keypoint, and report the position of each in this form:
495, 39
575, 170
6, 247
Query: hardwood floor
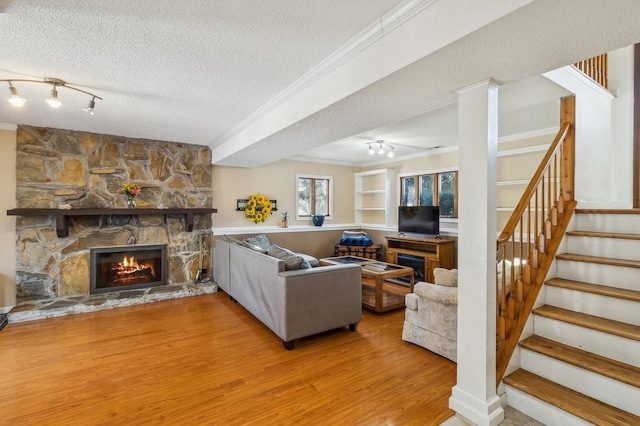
206, 360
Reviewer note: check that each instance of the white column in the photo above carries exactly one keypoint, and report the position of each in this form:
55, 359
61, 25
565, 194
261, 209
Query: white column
474, 395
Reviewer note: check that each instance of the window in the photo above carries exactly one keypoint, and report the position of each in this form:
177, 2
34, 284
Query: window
314, 195
434, 189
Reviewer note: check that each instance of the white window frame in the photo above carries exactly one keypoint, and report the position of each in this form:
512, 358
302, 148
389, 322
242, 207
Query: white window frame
331, 197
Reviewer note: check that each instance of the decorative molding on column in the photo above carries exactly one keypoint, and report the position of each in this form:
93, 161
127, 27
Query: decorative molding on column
479, 411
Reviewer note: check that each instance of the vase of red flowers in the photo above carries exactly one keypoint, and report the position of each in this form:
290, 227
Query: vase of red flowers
130, 190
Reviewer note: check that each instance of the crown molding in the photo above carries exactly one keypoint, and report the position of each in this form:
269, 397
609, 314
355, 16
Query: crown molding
529, 135
7, 126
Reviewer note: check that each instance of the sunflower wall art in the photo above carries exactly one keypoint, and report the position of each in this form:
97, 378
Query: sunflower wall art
258, 208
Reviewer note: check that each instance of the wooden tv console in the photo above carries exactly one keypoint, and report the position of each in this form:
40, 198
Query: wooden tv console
437, 252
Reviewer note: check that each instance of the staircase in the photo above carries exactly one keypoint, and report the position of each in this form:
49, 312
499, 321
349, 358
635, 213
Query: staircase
582, 364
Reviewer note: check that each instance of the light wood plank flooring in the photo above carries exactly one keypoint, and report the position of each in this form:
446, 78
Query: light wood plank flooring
205, 360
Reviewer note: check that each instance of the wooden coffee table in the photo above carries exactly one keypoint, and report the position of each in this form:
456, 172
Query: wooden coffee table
375, 275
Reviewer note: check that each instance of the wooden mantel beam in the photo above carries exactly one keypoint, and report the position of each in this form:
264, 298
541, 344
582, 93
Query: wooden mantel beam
62, 215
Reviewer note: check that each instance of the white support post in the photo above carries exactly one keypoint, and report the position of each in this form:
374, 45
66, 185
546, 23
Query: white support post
474, 395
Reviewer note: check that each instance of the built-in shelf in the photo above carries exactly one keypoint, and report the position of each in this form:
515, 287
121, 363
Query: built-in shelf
375, 193
62, 215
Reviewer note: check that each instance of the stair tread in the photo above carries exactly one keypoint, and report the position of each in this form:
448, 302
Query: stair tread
569, 400
599, 259
604, 366
603, 290
617, 235
617, 328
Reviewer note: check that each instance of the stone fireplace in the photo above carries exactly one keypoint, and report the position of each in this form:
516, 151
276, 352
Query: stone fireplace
127, 267
63, 169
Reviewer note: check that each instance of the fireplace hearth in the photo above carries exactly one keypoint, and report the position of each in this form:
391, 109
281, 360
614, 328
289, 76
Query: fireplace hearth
127, 267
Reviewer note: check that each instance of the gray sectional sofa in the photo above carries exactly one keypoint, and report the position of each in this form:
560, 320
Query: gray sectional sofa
292, 303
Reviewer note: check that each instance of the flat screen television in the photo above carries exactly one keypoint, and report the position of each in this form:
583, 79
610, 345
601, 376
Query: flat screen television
424, 220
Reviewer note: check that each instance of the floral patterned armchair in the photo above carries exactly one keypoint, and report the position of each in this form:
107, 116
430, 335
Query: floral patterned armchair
431, 314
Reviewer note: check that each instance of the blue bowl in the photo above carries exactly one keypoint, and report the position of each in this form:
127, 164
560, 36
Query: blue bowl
318, 220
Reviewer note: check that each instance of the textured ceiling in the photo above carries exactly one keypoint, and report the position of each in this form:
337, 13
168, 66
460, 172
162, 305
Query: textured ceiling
263, 80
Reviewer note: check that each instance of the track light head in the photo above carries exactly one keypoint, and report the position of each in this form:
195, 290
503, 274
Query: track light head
371, 151
53, 99
15, 99
89, 108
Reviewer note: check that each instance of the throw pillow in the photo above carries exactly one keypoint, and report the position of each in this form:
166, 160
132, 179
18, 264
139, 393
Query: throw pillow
260, 241
291, 260
445, 277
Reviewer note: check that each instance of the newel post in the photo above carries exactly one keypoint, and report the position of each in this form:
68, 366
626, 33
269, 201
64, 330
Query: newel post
568, 115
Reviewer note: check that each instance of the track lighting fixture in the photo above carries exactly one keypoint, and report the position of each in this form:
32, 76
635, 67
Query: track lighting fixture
16, 100
382, 148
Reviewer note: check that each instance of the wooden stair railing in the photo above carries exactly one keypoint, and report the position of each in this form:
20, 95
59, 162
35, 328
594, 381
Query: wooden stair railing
527, 245
596, 68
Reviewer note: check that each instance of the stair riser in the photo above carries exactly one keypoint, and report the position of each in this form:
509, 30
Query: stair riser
614, 276
540, 410
597, 342
605, 389
627, 311
621, 223
616, 248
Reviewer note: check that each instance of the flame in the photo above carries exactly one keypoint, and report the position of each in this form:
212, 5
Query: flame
130, 265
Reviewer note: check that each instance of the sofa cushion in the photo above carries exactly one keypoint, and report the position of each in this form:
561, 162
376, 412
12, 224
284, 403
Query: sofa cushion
445, 277
292, 261
259, 243
313, 262
233, 240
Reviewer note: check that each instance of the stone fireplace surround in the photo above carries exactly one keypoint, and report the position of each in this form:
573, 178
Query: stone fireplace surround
84, 170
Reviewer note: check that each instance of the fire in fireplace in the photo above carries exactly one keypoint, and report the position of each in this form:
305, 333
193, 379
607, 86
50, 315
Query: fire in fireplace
127, 267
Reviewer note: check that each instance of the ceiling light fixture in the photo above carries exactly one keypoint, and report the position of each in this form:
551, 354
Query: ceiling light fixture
53, 101
381, 149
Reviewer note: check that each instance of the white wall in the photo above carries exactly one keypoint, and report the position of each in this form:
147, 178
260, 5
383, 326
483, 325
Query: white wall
278, 181
621, 84
7, 223
603, 137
